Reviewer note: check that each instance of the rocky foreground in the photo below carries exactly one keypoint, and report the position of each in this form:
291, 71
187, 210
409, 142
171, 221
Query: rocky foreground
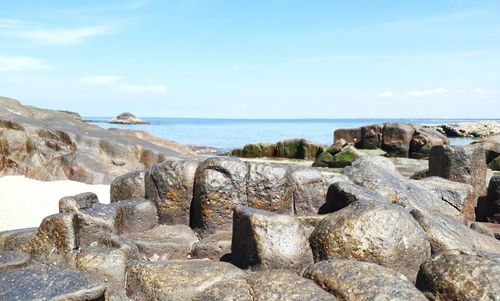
54, 145
225, 229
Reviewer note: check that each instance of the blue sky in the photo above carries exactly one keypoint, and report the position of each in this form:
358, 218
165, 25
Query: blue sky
254, 59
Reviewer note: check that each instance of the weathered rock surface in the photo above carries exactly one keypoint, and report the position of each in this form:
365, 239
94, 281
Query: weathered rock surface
170, 186
338, 156
78, 202
342, 194
51, 145
482, 228
127, 118
423, 140
493, 200
265, 240
356, 232
447, 234
470, 129
396, 139
13, 259
166, 241
284, 285
292, 149
214, 247
455, 276
128, 187
232, 289
49, 283
106, 263
356, 280
176, 279
464, 164
411, 168
14, 240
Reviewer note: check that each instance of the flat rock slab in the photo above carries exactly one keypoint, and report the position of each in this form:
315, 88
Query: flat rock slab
13, 259
49, 283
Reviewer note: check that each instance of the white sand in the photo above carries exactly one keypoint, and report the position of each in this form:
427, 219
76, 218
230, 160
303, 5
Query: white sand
25, 202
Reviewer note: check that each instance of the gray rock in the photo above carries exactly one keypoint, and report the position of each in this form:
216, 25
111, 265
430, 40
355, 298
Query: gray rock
214, 247
49, 283
170, 185
493, 200
121, 243
357, 232
265, 240
464, 164
396, 138
459, 195
166, 241
356, 280
274, 285
128, 187
342, 194
127, 118
13, 260
176, 279
107, 264
80, 201
470, 129
455, 276
482, 228
310, 189
269, 188
447, 234
411, 168
50, 145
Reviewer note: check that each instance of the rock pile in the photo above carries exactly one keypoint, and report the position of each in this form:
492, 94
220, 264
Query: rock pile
470, 129
224, 229
291, 149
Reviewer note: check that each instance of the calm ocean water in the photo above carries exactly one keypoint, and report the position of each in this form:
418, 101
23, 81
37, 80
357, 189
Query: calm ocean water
227, 134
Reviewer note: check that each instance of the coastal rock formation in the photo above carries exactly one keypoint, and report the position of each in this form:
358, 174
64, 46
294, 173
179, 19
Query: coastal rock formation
470, 129
52, 145
397, 139
127, 118
291, 149
491, 146
493, 200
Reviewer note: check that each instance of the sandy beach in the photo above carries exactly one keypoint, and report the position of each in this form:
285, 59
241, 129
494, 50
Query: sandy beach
25, 202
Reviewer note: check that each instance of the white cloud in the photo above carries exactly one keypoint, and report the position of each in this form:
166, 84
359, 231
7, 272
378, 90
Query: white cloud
143, 88
386, 94
421, 93
100, 79
20, 63
461, 91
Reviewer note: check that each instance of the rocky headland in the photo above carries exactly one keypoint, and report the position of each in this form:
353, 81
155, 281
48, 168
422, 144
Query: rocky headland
470, 129
383, 225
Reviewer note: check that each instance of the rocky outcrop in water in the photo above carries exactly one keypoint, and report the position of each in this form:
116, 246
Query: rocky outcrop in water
470, 129
53, 145
127, 118
291, 149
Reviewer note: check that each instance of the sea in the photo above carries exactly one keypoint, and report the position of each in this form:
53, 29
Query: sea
228, 134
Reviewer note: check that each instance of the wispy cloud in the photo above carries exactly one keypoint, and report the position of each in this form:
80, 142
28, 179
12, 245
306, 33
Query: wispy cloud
20, 63
143, 88
100, 79
47, 35
421, 93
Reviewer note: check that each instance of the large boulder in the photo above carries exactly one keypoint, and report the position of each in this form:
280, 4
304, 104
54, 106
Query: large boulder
220, 184
448, 234
465, 164
423, 140
356, 280
493, 200
128, 186
455, 276
342, 194
299, 149
371, 136
176, 279
357, 232
265, 240
170, 186
396, 138
49, 283
77, 202
348, 135
52, 145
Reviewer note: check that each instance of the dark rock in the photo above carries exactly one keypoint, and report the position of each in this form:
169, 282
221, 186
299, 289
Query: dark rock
342, 194
176, 279
357, 232
265, 240
339, 159
371, 136
455, 276
284, 285
258, 150
493, 200
459, 195
50, 145
299, 149
13, 260
166, 241
220, 184
269, 188
77, 202
213, 247
396, 138
356, 280
128, 187
170, 185
349, 135
423, 140
464, 164
109, 265
494, 164
447, 234
127, 118
14, 240
310, 189
49, 283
